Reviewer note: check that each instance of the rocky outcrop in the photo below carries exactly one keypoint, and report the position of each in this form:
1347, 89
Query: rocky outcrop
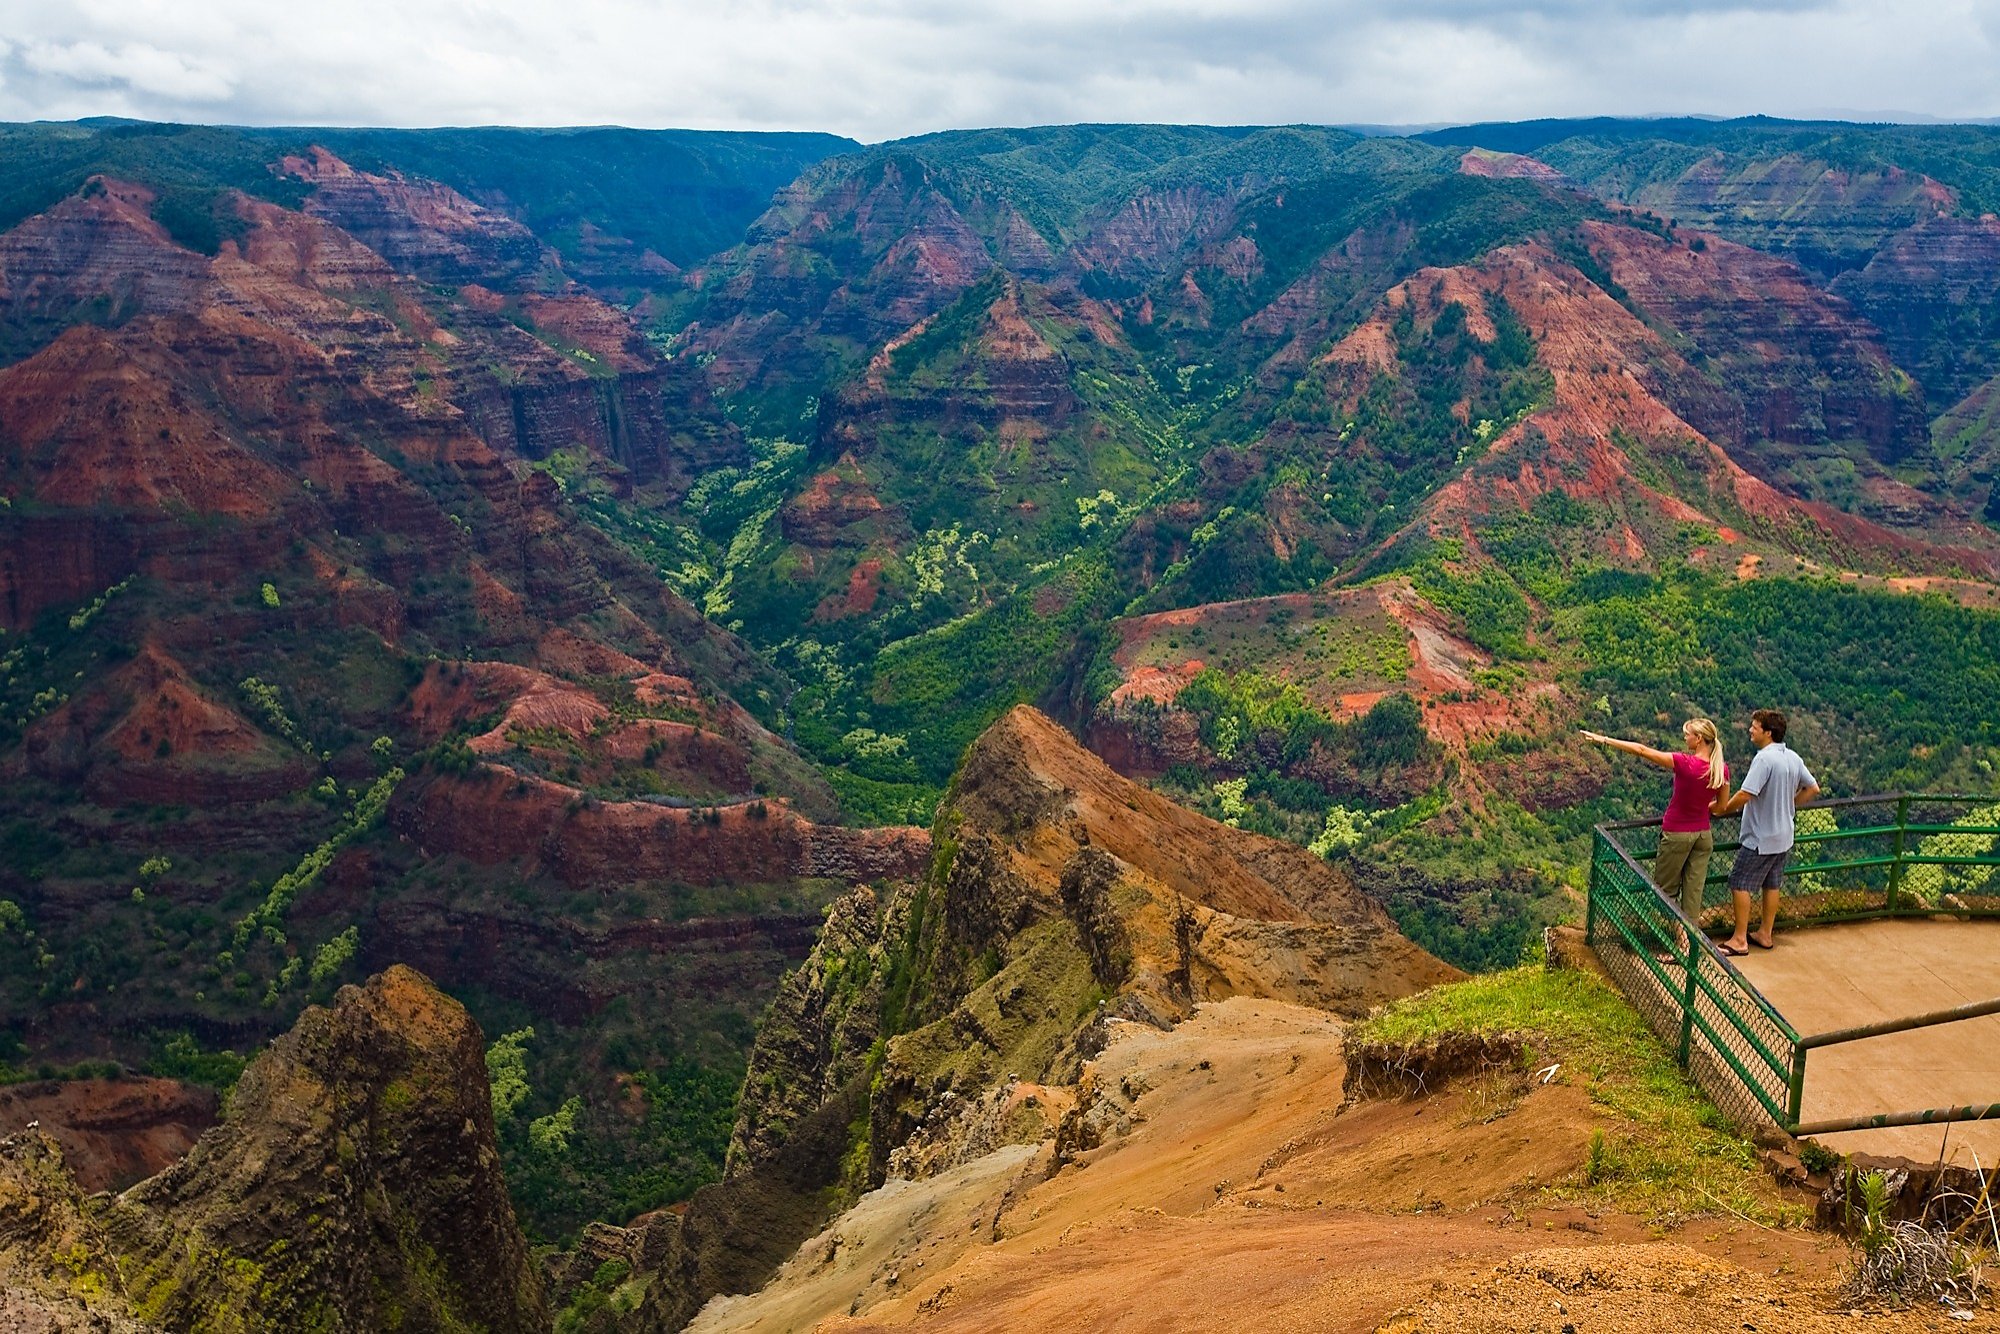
58, 1273
354, 1185
936, 1012
815, 1039
1072, 898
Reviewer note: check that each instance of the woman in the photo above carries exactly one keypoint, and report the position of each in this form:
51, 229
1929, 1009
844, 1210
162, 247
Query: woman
1701, 781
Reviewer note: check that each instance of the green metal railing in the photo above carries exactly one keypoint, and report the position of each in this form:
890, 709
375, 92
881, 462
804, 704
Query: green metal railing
1892, 855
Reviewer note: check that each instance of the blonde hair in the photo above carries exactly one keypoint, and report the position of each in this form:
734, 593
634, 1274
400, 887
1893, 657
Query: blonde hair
1710, 742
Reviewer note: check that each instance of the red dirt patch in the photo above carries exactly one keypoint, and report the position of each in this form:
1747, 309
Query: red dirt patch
1159, 684
114, 1132
864, 585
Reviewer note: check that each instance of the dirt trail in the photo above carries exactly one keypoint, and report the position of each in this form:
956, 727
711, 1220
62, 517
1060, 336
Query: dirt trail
1227, 1193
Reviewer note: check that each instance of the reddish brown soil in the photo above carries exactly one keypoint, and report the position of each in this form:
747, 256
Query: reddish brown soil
114, 1132
147, 732
604, 333
864, 586
1235, 1194
1486, 162
104, 421
832, 506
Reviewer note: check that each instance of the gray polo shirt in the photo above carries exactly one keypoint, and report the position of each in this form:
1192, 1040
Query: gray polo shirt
1775, 777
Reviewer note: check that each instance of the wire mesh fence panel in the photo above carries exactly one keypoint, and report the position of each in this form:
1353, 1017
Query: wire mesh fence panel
1740, 1053
1631, 933
1897, 853
1843, 860
1732, 1045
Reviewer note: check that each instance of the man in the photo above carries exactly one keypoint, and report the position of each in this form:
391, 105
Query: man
1775, 784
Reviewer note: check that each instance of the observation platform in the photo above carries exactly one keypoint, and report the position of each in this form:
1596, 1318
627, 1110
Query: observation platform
1843, 975
1874, 1025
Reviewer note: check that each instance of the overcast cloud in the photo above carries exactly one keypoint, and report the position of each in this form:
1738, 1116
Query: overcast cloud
878, 69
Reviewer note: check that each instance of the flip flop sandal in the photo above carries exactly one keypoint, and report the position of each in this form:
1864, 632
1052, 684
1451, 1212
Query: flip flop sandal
1731, 950
1761, 944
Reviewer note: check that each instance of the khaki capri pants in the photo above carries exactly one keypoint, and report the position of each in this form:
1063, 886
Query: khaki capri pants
1680, 868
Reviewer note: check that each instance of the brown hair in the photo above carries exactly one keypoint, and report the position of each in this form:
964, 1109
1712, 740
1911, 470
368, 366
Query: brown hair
1771, 721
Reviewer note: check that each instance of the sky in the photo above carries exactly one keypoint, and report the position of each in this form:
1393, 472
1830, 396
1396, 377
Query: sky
881, 69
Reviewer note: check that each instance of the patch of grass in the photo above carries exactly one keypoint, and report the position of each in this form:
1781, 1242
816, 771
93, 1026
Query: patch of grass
1664, 1152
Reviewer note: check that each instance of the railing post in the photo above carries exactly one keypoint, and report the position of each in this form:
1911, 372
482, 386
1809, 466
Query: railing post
1896, 867
1795, 1094
1590, 894
1687, 999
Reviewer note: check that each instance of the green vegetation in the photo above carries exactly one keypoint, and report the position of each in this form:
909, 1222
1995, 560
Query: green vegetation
1665, 1150
269, 916
1478, 902
179, 1056
264, 701
664, 1138
1748, 162
190, 167
908, 553
507, 1073
334, 955
1292, 765
612, 1288
83, 615
684, 194
1919, 717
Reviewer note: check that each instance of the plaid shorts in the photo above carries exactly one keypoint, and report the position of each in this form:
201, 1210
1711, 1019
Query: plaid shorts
1758, 870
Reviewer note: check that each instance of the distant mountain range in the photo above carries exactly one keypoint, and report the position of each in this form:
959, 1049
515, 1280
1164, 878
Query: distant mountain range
567, 560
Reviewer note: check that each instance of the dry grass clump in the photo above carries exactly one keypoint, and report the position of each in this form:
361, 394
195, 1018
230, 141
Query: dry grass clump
1906, 1261
1915, 1263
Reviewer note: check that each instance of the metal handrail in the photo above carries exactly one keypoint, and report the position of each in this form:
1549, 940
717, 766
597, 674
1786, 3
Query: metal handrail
1832, 803
1931, 1116
1974, 1010
1682, 993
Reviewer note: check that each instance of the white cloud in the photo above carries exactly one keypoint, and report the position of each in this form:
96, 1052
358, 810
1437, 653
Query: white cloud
881, 68
134, 67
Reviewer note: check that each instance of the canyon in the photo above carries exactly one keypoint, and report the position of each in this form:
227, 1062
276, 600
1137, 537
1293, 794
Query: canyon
834, 661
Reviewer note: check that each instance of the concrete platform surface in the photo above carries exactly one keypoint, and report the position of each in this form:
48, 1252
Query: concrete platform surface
1830, 977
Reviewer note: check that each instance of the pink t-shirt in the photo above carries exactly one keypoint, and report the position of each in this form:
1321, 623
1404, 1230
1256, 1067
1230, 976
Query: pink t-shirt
1687, 810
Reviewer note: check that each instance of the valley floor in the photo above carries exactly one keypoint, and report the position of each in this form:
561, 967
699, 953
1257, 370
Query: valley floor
1231, 1192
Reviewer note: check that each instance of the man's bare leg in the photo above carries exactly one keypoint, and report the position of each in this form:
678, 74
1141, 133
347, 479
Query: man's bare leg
1739, 941
1765, 937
